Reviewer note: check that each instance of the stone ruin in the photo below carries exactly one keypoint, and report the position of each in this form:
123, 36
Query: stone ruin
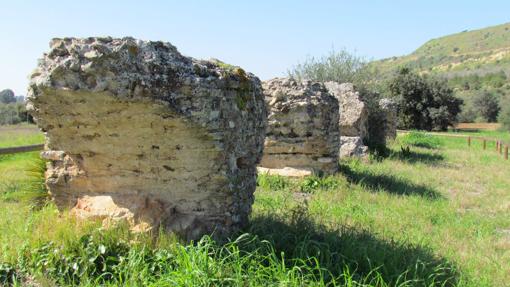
302, 131
353, 119
383, 122
136, 131
389, 108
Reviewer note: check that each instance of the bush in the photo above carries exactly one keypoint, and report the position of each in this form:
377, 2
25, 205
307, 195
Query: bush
14, 113
424, 103
339, 66
487, 106
7, 97
468, 113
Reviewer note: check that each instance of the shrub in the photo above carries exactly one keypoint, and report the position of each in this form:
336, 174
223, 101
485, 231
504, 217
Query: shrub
7, 97
339, 66
487, 106
13, 113
468, 114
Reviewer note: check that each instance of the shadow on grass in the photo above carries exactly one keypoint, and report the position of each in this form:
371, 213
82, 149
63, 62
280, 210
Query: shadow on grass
467, 130
298, 238
413, 157
387, 183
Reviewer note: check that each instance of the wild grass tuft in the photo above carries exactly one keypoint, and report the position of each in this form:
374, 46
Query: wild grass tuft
272, 182
312, 183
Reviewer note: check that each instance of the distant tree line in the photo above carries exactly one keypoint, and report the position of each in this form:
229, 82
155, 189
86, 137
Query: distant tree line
12, 109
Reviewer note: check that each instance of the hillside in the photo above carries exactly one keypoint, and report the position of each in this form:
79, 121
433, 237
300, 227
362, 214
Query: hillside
474, 62
470, 52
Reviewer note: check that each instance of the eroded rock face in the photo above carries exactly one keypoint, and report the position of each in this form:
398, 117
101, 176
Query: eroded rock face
352, 147
302, 134
353, 118
389, 108
137, 131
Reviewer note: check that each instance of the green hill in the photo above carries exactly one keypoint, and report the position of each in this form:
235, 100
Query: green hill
474, 62
470, 52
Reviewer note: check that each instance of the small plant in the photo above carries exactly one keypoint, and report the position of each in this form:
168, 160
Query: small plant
8, 274
313, 183
420, 139
272, 182
406, 151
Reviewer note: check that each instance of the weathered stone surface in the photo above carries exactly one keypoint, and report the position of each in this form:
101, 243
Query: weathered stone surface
302, 132
352, 147
286, 171
136, 131
382, 122
389, 108
353, 119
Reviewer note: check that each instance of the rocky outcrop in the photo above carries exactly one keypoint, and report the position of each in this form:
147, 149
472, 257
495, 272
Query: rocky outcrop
137, 131
389, 109
353, 119
302, 130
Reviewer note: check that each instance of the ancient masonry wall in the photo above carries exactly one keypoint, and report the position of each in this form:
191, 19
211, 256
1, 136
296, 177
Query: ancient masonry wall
302, 129
389, 108
352, 121
138, 132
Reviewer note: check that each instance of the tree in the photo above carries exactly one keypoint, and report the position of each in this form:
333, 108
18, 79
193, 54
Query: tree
7, 96
424, 103
487, 106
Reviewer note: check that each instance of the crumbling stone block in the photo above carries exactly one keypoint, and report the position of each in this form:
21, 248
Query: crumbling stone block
389, 108
302, 130
139, 132
353, 119
382, 122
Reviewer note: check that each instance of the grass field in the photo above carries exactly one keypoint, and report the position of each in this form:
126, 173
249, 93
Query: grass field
436, 214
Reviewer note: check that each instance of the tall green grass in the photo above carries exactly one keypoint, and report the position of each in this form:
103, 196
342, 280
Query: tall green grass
420, 139
433, 216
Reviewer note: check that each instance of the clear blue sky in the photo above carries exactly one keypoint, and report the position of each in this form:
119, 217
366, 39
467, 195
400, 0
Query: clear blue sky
263, 37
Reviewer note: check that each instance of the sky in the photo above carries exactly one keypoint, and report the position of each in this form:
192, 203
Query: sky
263, 37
